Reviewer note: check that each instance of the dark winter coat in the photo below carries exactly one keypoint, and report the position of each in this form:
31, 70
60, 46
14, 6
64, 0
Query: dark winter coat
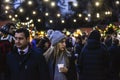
31, 66
93, 61
114, 61
5, 47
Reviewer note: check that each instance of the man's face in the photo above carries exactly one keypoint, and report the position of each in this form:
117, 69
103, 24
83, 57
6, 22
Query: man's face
21, 41
12, 29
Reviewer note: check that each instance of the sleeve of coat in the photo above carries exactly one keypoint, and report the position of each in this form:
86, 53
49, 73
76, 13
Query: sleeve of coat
80, 63
43, 69
71, 74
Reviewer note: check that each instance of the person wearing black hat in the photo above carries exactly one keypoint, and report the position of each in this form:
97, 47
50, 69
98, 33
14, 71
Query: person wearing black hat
93, 62
114, 51
8, 32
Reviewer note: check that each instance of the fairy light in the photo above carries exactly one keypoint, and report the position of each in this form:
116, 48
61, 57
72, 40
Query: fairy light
51, 21
117, 2
34, 12
7, 1
62, 21
53, 4
58, 15
97, 4
46, 14
74, 20
80, 15
21, 10
30, 2
7, 7
39, 20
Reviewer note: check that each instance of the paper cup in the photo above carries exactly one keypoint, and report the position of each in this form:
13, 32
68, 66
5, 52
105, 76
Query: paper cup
60, 66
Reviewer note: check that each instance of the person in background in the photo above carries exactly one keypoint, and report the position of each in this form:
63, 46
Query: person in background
5, 48
108, 40
25, 62
43, 44
69, 43
60, 61
78, 46
35, 40
11, 28
93, 61
8, 32
114, 51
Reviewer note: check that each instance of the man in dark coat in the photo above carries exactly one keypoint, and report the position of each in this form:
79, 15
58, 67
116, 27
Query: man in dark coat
4, 49
114, 50
94, 60
24, 62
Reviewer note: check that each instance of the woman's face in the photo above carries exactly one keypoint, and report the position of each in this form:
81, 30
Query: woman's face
62, 45
47, 44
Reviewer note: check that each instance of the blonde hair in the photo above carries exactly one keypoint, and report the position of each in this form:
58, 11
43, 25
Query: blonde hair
55, 50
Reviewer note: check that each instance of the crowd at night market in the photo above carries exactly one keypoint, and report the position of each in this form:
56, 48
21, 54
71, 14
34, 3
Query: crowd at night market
59, 55
59, 39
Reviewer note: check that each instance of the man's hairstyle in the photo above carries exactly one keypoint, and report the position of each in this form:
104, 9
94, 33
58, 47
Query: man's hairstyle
10, 24
23, 30
5, 28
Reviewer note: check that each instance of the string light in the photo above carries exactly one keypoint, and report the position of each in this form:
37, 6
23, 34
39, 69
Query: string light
39, 20
98, 15
86, 18
51, 21
97, 4
13, 19
7, 7
108, 13
46, 14
46, 0
80, 15
63, 21
117, 2
74, 20
58, 15
6, 11
10, 16
27, 18
21, 10
75, 4
53, 4
89, 15
34, 12
30, 2
32, 25
16, 15
6, 1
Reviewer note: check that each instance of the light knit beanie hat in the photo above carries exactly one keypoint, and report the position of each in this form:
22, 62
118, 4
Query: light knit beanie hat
55, 37
49, 32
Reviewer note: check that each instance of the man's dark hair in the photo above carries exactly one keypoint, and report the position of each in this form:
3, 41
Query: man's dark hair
10, 24
23, 30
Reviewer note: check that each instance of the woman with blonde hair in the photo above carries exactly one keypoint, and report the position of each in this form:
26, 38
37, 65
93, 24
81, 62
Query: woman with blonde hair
60, 62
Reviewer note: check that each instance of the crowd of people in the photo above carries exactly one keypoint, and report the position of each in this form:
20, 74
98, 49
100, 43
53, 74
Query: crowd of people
57, 56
